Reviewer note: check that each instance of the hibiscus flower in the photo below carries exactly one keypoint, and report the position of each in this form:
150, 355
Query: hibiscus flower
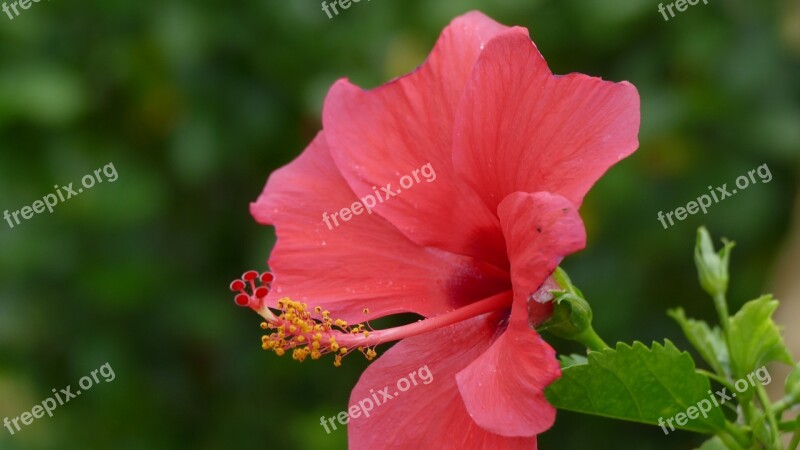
515, 150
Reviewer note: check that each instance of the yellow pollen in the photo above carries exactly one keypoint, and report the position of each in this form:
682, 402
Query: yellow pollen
308, 333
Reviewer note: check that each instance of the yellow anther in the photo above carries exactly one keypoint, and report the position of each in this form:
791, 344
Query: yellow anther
310, 333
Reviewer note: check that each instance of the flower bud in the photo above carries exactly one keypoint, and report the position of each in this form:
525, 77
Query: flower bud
572, 315
712, 267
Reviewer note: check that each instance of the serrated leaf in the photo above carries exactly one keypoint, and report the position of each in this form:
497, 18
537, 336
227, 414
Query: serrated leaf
754, 338
714, 443
637, 384
572, 360
708, 341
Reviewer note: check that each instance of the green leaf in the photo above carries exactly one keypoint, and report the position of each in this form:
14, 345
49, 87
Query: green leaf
754, 338
572, 360
709, 342
637, 384
793, 384
714, 443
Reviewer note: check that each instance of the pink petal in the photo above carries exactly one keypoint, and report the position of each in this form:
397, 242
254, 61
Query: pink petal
503, 389
380, 135
363, 263
519, 128
540, 230
427, 416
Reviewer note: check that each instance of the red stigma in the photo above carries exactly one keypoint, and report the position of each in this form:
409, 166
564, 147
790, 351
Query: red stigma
253, 296
237, 285
242, 300
250, 275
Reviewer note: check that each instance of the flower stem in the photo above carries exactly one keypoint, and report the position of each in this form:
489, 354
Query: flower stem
718, 378
773, 423
783, 404
721, 304
591, 340
730, 442
795, 441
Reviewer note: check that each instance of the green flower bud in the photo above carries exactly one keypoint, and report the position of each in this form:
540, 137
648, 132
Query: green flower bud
712, 267
572, 315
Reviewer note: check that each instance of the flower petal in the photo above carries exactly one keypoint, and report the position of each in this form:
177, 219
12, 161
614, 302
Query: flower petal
520, 128
503, 389
426, 415
540, 230
378, 136
362, 263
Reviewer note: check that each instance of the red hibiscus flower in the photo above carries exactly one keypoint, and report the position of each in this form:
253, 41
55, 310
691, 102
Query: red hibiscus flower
514, 149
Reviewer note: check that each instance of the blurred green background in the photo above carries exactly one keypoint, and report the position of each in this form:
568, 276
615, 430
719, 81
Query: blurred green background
195, 103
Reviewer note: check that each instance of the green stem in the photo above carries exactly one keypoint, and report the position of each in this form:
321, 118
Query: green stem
730, 442
773, 423
795, 441
591, 340
722, 309
738, 434
719, 379
748, 411
783, 404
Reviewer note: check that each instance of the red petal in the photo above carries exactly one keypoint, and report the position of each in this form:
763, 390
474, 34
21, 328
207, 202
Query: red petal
363, 263
540, 230
519, 128
378, 136
503, 389
426, 416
